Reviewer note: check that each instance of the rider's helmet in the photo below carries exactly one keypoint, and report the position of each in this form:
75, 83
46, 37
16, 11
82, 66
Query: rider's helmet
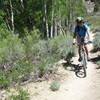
79, 20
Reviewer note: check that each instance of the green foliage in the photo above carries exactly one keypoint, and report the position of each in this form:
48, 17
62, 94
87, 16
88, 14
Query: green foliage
98, 63
20, 69
44, 53
17, 57
55, 85
15, 73
40, 48
94, 20
11, 49
4, 80
42, 65
4, 32
27, 16
62, 46
96, 42
18, 94
97, 6
30, 43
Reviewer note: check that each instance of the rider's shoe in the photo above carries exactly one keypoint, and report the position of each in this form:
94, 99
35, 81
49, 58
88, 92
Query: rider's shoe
80, 59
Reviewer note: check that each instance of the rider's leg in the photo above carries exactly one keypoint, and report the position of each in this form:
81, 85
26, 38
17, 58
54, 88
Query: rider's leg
87, 51
79, 52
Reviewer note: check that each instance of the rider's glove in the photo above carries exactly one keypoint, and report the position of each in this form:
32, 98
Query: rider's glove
74, 41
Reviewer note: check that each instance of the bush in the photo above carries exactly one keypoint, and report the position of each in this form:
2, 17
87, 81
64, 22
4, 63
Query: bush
53, 50
4, 79
32, 46
42, 65
55, 85
96, 42
98, 63
20, 69
11, 49
18, 94
17, 72
4, 32
62, 46
97, 6
17, 57
11, 53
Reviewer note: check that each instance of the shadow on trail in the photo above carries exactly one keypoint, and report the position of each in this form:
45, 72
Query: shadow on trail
95, 59
75, 68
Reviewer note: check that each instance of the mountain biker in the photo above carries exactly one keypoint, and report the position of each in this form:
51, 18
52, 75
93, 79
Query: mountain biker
82, 35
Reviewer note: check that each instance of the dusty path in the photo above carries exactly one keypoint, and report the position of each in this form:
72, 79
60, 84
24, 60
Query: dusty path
72, 87
80, 88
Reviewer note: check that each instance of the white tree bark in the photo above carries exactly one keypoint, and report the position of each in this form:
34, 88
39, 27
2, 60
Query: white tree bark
12, 16
46, 22
52, 21
55, 27
51, 33
7, 23
22, 4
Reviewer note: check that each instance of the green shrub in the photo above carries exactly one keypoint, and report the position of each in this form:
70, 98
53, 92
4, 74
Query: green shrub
17, 57
4, 32
17, 72
55, 49
18, 94
4, 79
11, 49
35, 34
62, 46
32, 48
55, 85
40, 49
42, 65
20, 69
98, 63
96, 42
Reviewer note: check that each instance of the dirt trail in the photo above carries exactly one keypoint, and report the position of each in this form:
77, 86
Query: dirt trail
72, 87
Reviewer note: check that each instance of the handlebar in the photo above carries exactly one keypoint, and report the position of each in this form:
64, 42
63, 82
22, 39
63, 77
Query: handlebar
89, 42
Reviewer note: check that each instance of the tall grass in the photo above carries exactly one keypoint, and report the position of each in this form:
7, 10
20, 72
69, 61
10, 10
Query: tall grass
19, 58
96, 42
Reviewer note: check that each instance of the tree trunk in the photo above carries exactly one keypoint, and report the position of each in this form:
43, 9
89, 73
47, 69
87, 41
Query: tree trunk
22, 4
46, 21
55, 27
12, 16
7, 24
52, 21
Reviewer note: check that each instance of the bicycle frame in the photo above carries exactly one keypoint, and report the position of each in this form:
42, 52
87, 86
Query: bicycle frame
84, 59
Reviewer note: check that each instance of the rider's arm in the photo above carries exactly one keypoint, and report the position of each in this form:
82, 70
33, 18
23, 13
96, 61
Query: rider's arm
75, 30
88, 31
74, 38
74, 35
89, 34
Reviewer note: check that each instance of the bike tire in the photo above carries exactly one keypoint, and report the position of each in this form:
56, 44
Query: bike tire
84, 62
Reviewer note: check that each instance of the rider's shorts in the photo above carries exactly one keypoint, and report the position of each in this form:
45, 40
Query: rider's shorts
82, 39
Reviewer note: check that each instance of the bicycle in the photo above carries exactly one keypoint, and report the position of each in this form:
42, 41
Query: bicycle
83, 61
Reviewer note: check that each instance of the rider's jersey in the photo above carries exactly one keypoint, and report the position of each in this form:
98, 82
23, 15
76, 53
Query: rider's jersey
81, 30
